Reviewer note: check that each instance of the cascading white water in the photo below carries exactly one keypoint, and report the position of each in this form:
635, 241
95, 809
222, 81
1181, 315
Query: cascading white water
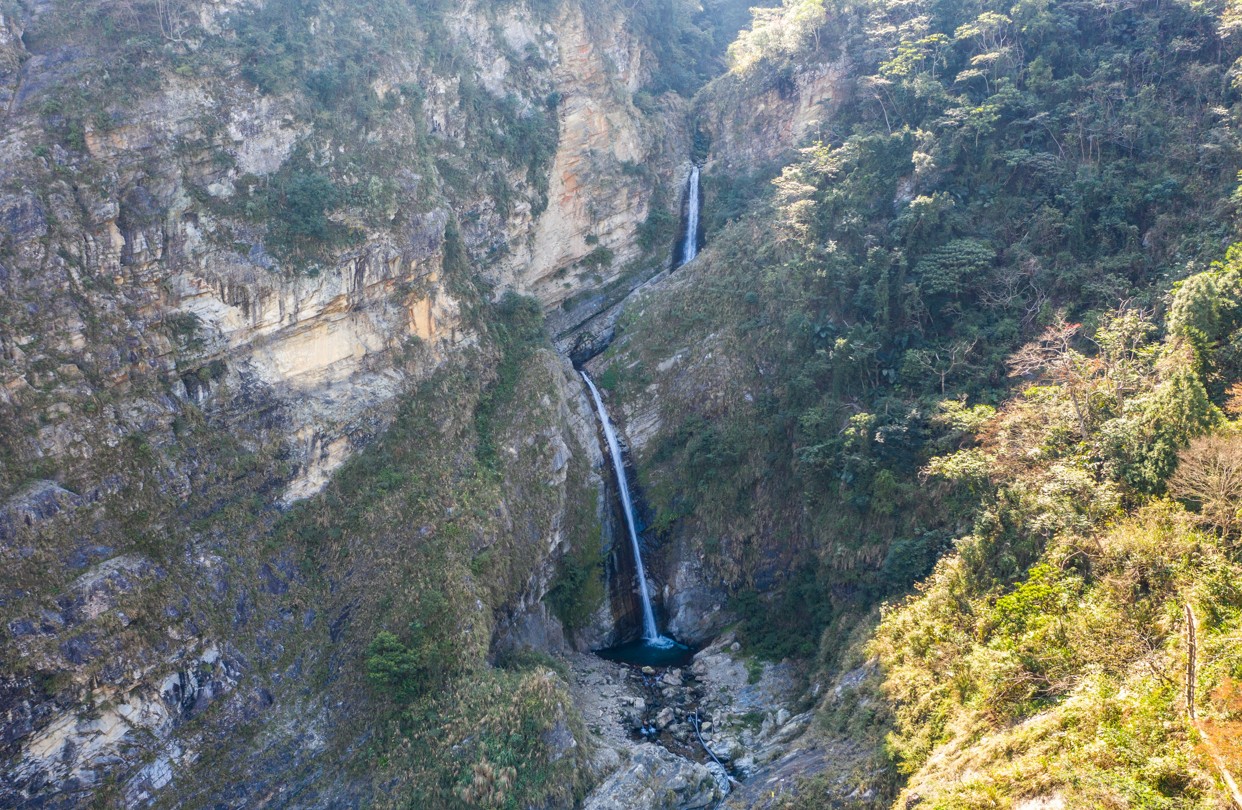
690, 248
651, 634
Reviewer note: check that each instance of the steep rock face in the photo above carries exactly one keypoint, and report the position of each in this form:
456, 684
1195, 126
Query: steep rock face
140, 255
576, 467
150, 671
173, 370
752, 120
156, 244
756, 117
611, 159
601, 179
659, 380
167, 373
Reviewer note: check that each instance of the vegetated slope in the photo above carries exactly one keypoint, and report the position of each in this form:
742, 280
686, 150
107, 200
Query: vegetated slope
1047, 655
1076, 646
990, 173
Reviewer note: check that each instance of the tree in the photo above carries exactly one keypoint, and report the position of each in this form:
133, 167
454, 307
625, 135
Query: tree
427, 661
393, 666
307, 197
1209, 476
1195, 313
941, 362
778, 32
1126, 352
1053, 356
174, 19
1144, 441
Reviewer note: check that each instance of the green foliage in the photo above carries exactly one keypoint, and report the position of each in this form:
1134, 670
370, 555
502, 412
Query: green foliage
394, 667
700, 146
496, 746
406, 670
754, 671
578, 588
778, 33
910, 559
1051, 611
294, 205
688, 39
974, 192
516, 324
659, 228
1195, 311
1146, 438
788, 625
1058, 650
185, 328
1205, 312
728, 197
952, 268
971, 220
304, 199
522, 135
422, 525
598, 259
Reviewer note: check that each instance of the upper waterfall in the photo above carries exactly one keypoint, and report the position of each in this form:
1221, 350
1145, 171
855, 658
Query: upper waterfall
690, 248
651, 634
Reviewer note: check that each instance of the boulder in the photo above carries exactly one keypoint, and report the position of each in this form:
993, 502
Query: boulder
657, 779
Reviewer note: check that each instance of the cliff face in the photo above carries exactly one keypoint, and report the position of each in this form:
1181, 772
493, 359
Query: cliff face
674, 371
610, 158
151, 253
176, 363
756, 117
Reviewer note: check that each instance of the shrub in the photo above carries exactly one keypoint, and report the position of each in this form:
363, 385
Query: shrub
305, 199
517, 324
789, 625
578, 588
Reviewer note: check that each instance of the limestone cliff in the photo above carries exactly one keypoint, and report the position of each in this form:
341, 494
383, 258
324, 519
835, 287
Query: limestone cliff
219, 286
155, 244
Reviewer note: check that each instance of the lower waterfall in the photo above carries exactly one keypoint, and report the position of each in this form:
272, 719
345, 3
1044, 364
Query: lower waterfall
651, 633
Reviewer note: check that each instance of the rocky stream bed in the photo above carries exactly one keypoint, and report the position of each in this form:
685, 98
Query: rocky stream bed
751, 716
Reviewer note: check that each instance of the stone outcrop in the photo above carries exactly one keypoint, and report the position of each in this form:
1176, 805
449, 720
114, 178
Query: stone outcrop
755, 118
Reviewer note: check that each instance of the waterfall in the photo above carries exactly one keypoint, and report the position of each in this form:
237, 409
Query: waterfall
691, 247
651, 634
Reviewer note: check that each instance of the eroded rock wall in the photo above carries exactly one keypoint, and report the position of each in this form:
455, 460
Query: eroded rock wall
756, 117
168, 377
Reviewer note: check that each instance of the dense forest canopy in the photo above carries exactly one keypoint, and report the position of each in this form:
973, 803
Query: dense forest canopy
993, 172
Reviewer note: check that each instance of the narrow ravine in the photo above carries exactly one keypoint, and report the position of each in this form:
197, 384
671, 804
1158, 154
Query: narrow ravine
684, 717
654, 648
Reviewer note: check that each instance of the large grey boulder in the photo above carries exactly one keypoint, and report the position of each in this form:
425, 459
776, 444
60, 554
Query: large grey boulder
655, 779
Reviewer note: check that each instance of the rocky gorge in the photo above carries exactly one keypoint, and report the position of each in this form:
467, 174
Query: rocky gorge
538, 404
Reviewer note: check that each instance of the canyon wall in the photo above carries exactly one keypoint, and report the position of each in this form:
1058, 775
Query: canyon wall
172, 377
